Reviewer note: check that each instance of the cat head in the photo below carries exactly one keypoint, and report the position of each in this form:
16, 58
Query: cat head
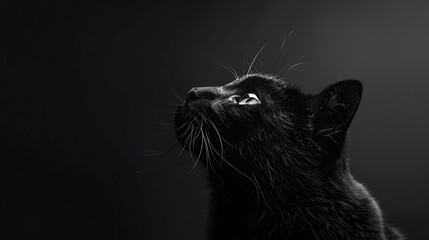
259, 121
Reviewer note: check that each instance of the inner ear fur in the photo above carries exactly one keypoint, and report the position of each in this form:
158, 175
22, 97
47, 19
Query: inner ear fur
333, 111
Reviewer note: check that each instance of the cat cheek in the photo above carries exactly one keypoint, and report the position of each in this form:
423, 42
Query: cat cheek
216, 104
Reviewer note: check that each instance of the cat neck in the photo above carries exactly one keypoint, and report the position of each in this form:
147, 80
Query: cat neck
274, 180
244, 212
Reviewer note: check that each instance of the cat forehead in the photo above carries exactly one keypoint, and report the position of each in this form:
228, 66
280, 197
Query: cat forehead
253, 81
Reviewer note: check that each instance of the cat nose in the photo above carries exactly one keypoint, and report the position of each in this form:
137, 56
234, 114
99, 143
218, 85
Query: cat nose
207, 93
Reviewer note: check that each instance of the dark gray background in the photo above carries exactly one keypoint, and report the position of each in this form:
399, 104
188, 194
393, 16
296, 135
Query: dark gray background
86, 94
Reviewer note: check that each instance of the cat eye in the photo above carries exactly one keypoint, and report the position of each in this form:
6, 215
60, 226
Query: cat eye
247, 99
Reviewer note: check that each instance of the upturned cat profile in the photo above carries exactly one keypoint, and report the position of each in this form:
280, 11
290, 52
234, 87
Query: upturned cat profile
276, 160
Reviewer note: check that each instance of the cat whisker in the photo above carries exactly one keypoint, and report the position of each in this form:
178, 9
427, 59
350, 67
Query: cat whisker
217, 131
176, 95
285, 45
192, 144
189, 149
186, 123
197, 133
232, 166
208, 145
257, 59
242, 66
262, 193
285, 39
229, 68
296, 65
199, 154
258, 191
211, 147
235, 72
204, 142
254, 181
256, 56
218, 134
187, 140
159, 156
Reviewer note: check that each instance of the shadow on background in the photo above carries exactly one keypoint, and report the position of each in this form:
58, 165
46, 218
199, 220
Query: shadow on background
86, 96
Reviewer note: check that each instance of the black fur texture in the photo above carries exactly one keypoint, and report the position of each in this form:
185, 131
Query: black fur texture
278, 169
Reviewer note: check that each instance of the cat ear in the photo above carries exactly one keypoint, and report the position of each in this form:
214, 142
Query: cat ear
334, 109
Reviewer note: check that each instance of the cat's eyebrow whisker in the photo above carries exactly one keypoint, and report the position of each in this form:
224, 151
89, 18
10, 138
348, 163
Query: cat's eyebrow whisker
284, 45
257, 59
256, 56
235, 72
242, 66
286, 39
296, 65
229, 68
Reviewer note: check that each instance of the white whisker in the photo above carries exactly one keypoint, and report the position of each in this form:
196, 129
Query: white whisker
253, 61
296, 65
199, 154
176, 95
262, 193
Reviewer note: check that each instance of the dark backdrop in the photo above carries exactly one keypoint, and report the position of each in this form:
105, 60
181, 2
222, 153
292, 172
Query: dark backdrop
86, 96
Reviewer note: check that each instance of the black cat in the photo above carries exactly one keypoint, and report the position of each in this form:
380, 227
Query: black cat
276, 161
